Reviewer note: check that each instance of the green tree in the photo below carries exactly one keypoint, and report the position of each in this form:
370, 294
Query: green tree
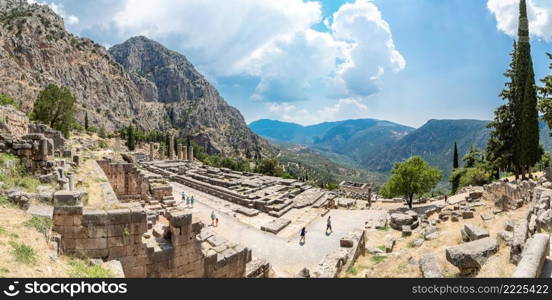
524, 105
410, 178
545, 97
55, 107
455, 163
499, 150
131, 139
472, 158
270, 167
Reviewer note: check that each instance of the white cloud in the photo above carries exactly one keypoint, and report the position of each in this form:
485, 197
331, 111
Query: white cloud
347, 108
507, 14
274, 41
218, 34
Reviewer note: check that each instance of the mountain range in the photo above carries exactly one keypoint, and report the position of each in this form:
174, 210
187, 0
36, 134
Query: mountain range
137, 82
376, 145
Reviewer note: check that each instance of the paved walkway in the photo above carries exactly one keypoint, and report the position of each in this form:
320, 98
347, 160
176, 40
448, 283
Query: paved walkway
286, 256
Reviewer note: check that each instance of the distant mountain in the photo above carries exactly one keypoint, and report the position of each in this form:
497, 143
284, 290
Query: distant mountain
290, 132
376, 145
434, 141
352, 138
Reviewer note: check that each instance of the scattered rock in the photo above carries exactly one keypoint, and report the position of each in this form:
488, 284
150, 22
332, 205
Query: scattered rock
469, 257
430, 266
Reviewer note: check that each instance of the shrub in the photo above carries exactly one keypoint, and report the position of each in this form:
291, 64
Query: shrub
7, 100
41, 224
378, 258
23, 253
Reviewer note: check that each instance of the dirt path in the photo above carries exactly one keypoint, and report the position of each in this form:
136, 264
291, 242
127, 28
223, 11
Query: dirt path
286, 256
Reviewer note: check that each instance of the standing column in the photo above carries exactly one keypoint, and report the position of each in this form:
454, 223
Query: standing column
151, 151
171, 147
191, 153
184, 152
161, 151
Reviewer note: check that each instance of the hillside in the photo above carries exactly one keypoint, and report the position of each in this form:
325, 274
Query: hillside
433, 141
155, 88
351, 138
327, 167
376, 146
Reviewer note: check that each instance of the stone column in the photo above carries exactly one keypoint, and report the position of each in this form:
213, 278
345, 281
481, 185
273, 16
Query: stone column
70, 182
161, 152
191, 153
117, 144
171, 147
151, 151
44, 149
184, 152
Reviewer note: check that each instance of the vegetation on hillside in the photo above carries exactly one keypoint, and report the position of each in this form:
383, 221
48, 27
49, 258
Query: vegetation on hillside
8, 100
55, 108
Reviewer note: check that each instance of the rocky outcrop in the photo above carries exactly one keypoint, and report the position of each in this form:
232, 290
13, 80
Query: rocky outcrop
161, 89
190, 101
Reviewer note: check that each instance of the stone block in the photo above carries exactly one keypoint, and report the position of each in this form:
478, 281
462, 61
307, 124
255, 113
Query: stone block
469, 257
119, 216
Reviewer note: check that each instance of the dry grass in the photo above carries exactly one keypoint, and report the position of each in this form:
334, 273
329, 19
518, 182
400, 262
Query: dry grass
398, 262
24, 251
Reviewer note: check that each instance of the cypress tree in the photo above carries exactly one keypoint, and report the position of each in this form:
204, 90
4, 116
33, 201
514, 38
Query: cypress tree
524, 107
455, 164
86, 121
131, 141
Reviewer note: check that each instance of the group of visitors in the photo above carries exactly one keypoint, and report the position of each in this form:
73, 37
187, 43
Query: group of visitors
189, 200
329, 230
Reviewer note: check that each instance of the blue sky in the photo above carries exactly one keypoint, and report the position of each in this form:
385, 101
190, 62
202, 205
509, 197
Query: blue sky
406, 61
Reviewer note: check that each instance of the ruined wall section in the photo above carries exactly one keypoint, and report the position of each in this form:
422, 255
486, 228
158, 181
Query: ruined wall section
132, 183
184, 250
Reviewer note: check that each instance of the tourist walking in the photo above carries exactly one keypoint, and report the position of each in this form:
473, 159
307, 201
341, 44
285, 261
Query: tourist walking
329, 225
446, 199
213, 218
303, 233
192, 201
216, 222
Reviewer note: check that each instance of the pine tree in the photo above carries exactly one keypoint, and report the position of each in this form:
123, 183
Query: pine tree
524, 105
455, 163
54, 107
499, 149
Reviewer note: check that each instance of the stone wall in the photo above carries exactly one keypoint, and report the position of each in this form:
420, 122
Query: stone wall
131, 183
510, 195
181, 248
351, 247
13, 121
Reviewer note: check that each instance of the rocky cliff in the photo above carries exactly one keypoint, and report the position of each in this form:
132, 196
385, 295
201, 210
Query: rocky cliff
154, 88
167, 78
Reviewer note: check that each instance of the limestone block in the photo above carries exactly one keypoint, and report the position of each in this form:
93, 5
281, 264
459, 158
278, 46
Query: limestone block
469, 257
430, 266
533, 257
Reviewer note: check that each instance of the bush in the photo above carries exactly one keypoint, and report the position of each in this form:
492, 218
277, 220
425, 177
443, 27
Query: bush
7, 100
23, 253
102, 144
41, 224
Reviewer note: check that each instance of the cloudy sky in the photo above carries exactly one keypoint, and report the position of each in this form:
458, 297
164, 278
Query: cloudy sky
406, 61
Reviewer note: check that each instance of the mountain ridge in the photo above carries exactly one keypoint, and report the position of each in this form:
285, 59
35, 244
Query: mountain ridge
36, 50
